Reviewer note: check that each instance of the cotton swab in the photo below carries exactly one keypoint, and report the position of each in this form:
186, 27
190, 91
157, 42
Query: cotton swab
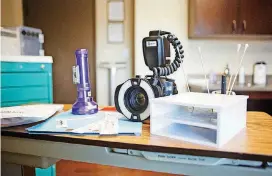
185, 75
203, 68
241, 61
185, 78
238, 51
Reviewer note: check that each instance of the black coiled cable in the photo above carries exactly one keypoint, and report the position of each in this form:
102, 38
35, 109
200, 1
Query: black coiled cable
169, 69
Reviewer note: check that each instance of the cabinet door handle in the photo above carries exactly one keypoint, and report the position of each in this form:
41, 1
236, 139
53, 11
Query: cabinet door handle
244, 26
234, 26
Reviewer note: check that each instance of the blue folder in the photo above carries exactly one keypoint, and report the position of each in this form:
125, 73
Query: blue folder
125, 127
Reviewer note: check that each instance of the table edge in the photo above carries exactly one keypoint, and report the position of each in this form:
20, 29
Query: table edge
142, 147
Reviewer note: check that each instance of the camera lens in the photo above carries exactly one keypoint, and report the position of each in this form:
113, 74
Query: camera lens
140, 99
136, 99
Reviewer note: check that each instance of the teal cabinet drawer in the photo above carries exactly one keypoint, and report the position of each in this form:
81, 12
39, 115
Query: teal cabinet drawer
24, 79
24, 93
25, 67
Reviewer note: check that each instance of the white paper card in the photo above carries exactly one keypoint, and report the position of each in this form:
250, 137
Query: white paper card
116, 11
116, 32
90, 128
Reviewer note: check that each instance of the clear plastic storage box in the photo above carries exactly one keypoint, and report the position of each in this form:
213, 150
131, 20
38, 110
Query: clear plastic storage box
208, 119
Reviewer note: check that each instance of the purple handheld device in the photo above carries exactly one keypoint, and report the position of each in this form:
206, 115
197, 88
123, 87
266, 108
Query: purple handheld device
84, 103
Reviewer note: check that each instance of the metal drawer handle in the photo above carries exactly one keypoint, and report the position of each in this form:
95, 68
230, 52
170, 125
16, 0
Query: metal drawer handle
42, 66
244, 26
234, 26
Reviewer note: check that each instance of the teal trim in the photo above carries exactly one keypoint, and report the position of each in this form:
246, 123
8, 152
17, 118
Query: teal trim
25, 67
50, 85
24, 83
17, 103
51, 171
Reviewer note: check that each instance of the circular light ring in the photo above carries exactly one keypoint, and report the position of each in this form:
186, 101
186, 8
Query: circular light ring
121, 96
150, 94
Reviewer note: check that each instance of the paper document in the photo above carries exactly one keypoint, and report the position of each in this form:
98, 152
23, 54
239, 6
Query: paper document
20, 115
109, 125
101, 123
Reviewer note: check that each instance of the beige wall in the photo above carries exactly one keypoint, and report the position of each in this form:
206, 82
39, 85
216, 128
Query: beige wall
172, 15
108, 52
11, 13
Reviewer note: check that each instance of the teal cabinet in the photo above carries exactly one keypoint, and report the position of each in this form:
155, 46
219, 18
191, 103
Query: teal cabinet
24, 83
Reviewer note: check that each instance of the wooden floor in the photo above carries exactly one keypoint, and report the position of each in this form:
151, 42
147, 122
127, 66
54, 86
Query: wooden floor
72, 168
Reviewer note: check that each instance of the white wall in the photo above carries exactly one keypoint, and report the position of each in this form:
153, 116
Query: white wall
172, 15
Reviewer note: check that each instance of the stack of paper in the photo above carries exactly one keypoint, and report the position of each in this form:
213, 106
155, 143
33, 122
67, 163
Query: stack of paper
101, 123
20, 115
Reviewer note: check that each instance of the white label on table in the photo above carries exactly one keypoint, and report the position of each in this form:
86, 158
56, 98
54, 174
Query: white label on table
198, 160
60, 123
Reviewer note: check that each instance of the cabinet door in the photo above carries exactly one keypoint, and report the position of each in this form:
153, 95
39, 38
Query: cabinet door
209, 18
256, 17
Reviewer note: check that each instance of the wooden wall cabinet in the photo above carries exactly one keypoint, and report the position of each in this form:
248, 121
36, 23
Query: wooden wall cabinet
258, 101
230, 18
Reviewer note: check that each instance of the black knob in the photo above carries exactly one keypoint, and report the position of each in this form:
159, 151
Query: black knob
138, 76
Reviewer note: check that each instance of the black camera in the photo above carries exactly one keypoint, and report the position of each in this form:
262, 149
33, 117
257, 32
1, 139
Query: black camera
132, 97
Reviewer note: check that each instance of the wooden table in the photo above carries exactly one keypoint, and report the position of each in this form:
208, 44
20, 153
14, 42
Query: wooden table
253, 143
